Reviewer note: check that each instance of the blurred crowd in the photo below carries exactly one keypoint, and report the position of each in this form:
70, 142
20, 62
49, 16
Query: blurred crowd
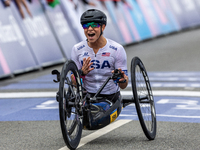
19, 4
53, 3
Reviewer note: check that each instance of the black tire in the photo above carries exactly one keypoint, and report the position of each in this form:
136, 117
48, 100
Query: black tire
69, 94
143, 98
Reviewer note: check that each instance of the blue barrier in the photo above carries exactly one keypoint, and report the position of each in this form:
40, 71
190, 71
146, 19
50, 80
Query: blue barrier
150, 16
119, 21
64, 35
139, 21
173, 22
40, 37
164, 23
72, 16
15, 55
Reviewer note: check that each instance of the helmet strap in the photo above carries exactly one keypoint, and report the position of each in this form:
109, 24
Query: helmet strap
101, 32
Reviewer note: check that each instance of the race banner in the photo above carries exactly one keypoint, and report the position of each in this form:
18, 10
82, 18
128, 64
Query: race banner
175, 7
139, 21
190, 12
150, 16
165, 6
65, 36
15, 55
72, 12
125, 9
165, 24
38, 32
120, 22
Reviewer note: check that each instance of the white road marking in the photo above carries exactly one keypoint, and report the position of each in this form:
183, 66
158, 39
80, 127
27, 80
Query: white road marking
169, 93
183, 104
177, 116
177, 93
53, 94
27, 94
99, 133
164, 115
50, 104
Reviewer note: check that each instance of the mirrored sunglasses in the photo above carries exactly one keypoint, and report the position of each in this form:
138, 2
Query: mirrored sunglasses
92, 24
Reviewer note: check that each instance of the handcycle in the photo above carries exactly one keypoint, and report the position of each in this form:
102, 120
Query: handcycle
80, 110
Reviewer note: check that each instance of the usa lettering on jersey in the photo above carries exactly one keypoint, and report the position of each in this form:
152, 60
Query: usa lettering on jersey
97, 65
79, 48
112, 47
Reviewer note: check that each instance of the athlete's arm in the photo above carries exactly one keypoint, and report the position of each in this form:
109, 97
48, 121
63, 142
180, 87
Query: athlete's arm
121, 64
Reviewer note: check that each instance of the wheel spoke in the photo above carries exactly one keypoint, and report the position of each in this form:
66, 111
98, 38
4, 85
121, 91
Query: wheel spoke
73, 126
70, 87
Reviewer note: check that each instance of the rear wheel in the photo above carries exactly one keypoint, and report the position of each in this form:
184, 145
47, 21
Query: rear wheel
69, 98
143, 97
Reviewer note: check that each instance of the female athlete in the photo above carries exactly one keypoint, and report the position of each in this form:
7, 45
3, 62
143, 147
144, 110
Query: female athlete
98, 57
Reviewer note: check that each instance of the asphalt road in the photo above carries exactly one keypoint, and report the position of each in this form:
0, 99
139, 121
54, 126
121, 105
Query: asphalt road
179, 53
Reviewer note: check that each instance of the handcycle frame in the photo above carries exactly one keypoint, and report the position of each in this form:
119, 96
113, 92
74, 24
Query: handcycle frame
81, 101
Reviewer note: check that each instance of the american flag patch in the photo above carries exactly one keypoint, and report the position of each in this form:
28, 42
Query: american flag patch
106, 54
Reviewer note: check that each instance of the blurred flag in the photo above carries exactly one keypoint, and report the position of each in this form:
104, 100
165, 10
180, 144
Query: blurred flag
53, 3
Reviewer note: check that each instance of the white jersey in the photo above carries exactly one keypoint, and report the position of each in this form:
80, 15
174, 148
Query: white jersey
111, 56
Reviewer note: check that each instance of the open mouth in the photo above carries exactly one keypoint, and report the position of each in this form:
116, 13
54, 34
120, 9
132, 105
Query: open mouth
91, 34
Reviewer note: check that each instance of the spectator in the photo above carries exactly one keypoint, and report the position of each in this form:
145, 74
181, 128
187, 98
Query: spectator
116, 3
6, 3
86, 2
19, 5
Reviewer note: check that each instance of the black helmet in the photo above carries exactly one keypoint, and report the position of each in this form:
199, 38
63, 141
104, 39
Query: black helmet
93, 15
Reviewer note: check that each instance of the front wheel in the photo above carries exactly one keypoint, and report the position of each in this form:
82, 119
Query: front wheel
143, 97
69, 98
